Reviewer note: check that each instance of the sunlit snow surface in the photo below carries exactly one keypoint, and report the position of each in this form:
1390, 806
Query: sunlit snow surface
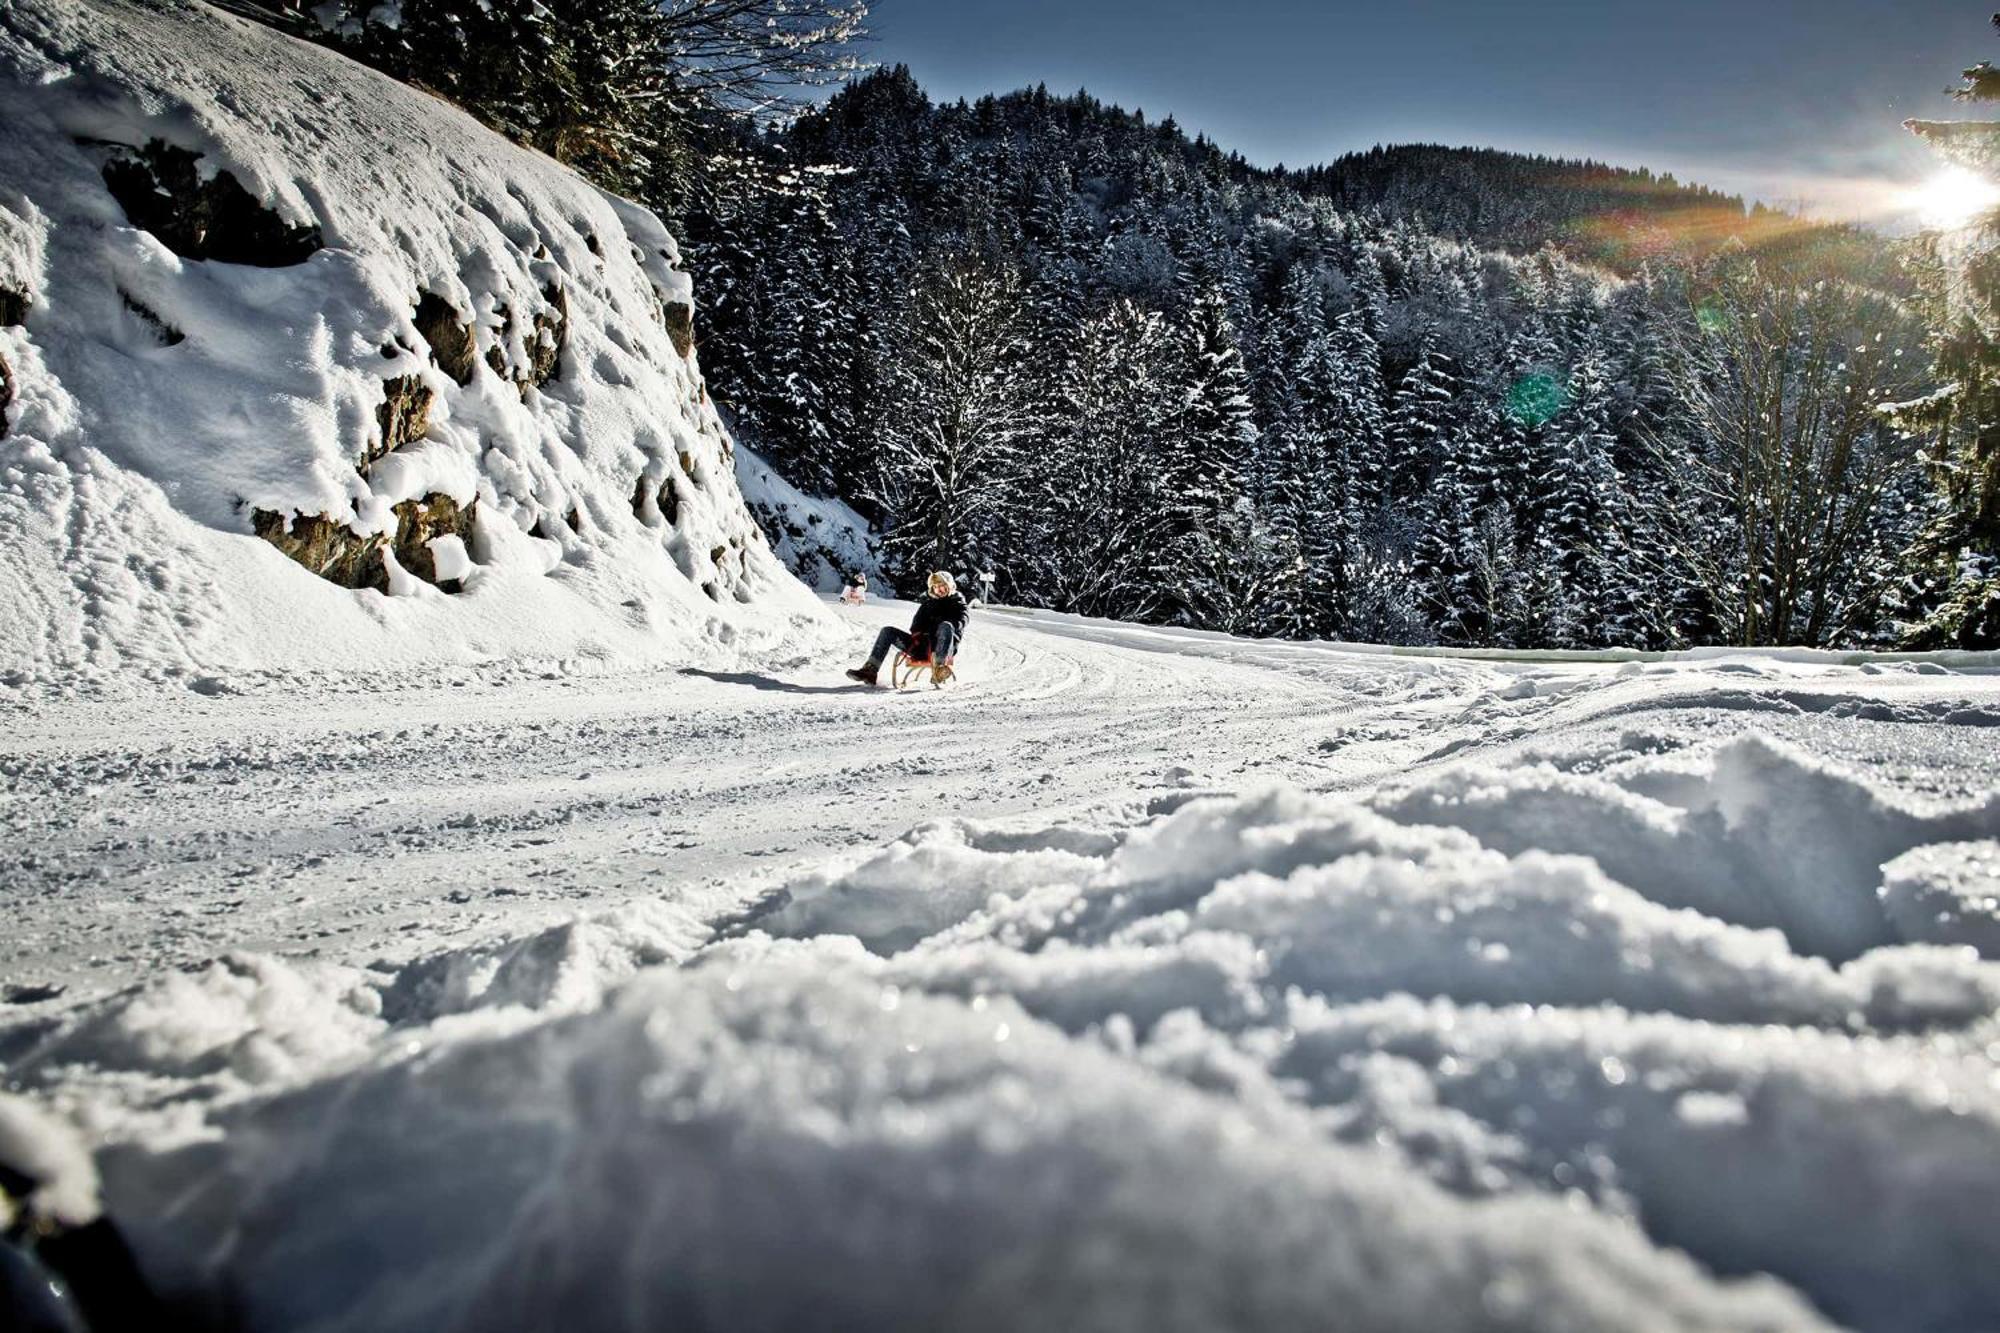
1580, 996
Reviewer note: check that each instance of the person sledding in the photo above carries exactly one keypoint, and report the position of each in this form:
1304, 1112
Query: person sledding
933, 634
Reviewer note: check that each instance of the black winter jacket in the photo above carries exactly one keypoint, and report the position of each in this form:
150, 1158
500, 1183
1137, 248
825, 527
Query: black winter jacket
935, 611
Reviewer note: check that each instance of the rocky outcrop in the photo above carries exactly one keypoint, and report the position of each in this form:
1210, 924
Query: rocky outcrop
678, 316
549, 528
13, 310
162, 192
664, 501
449, 338
403, 417
547, 338
339, 554
419, 523
543, 344
326, 546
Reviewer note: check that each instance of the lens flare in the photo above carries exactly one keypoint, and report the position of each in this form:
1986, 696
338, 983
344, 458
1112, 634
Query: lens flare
1535, 398
1953, 198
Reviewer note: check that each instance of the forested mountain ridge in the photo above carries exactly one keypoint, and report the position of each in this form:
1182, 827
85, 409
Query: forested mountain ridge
1136, 376
1615, 216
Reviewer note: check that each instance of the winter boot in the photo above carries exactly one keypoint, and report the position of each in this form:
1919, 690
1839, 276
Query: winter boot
865, 673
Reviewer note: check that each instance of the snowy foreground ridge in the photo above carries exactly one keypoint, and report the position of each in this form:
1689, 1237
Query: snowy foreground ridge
250, 290
1578, 996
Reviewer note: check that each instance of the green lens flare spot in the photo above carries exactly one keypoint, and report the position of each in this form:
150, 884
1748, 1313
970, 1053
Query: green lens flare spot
1534, 398
1711, 317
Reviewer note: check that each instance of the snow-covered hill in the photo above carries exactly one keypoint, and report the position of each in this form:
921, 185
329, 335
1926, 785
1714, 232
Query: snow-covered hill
304, 367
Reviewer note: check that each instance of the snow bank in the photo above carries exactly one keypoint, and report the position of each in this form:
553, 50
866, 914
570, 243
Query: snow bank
447, 382
1466, 1054
783, 1143
1863, 1171
1766, 837
155, 1060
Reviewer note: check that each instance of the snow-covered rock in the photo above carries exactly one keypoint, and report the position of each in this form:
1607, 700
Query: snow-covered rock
249, 289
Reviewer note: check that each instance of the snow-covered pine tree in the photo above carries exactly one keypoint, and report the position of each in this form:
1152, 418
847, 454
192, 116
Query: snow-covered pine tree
1359, 424
1097, 508
948, 457
1307, 504
1495, 581
1208, 521
1958, 553
1420, 421
1579, 528
1450, 587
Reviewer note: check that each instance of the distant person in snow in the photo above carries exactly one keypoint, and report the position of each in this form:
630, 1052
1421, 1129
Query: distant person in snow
933, 634
856, 591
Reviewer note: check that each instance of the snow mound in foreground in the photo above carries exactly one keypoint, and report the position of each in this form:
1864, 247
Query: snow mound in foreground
783, 1142
249, 289
1262, 1058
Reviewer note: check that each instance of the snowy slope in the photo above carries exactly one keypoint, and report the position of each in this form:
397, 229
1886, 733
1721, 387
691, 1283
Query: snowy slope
823, 541
1149, 980
354, 322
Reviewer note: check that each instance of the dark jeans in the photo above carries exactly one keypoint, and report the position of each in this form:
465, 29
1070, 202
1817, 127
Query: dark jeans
946, 642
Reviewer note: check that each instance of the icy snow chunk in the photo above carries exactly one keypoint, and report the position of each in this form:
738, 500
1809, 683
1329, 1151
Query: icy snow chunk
450, 559
50, 1153
931, 878
1220, 976
248, 1019
568, 968
1543, 929
1173, 862
1947, 893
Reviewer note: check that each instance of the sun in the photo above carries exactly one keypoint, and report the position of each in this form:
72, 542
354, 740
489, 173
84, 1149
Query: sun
1954, 197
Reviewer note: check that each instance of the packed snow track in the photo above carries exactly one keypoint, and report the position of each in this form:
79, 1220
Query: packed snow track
1140, 979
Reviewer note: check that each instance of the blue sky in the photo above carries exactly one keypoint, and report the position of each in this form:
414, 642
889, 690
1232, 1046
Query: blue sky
1788, 100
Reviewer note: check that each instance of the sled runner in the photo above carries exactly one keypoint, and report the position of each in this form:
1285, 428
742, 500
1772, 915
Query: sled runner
906, 670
